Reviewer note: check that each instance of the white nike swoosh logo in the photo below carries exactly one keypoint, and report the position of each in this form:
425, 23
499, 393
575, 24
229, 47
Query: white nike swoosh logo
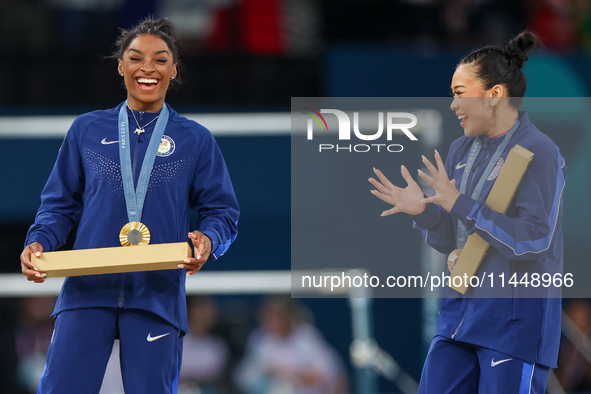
460, 166
152, 339
105, 142
494, 363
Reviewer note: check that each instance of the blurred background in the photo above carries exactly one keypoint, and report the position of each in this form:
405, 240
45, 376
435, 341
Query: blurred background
252, 56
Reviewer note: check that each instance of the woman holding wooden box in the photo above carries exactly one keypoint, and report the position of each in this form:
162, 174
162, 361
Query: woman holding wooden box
490, 345
132, 190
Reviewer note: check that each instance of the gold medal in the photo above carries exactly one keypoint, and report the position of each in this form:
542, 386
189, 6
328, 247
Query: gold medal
134, 234
453, 258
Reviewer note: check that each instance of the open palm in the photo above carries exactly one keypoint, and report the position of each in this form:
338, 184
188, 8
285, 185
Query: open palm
405, 200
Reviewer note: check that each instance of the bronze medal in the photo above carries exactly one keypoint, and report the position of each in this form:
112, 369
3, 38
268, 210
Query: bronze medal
453, 258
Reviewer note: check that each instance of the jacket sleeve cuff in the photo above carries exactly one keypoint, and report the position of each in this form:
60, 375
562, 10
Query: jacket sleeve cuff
40, 239
215, 242
465, 209
429, 218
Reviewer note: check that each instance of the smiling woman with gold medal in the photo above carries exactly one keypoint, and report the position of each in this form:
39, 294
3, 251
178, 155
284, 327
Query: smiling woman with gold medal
135, 171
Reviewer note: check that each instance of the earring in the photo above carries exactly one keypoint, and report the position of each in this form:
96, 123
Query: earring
121, 74
173, 77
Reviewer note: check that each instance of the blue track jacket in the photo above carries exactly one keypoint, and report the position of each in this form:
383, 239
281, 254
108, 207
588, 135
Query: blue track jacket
189, 173
528, 238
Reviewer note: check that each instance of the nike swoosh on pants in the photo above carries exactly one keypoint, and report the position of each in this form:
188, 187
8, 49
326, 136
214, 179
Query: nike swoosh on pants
150, 338
494, 363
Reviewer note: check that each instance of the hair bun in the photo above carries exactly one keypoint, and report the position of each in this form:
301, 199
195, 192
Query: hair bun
518, 47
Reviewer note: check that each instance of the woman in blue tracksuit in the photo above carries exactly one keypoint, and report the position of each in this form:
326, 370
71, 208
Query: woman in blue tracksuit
491, 345
155, 176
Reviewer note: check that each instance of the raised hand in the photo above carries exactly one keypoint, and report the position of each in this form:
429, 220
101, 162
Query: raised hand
407, 200
446, 192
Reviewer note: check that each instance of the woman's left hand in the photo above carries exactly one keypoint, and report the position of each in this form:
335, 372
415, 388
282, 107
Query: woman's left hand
446, 192
202, 245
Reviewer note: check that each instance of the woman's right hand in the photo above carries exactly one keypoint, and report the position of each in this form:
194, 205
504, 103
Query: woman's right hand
405, 200
29, 269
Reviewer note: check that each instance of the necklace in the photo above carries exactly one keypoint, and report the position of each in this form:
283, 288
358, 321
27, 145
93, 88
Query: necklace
140, 129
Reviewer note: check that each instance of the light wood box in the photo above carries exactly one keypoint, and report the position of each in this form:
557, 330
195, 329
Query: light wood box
112, 260
500, 197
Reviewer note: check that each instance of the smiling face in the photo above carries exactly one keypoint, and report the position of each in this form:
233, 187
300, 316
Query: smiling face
147, 66
472, 103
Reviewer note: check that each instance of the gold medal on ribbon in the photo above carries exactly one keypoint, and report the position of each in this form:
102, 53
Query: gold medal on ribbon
134, 234
453, 258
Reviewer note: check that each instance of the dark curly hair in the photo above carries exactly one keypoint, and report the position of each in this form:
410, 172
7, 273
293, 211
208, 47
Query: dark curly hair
502, 66
162, 28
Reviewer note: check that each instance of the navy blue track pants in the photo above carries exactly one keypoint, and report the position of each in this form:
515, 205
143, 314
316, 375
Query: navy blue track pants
454, 367
150, 353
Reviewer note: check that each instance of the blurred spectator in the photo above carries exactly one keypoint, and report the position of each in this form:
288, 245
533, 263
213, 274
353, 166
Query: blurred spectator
193, 20
573, 372
286, 355
476, 22
457, 19
205, 355
583, 22
554, 22
502, 19
268, 27
32, 339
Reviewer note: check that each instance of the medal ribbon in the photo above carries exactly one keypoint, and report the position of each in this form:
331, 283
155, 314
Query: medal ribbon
461, 237
135, 197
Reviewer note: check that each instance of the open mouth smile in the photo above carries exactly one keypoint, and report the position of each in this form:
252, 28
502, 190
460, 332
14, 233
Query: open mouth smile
463, 120
147, 83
